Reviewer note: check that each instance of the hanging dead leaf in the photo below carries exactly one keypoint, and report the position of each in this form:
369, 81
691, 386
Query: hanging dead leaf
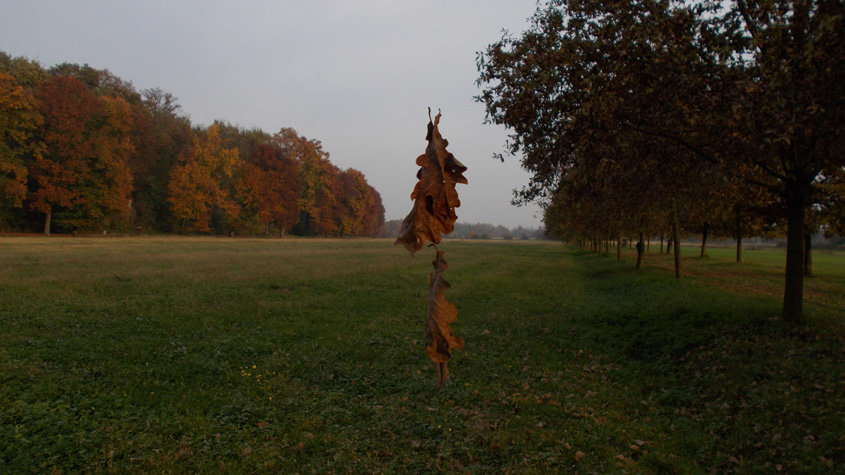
435, 197
439, 341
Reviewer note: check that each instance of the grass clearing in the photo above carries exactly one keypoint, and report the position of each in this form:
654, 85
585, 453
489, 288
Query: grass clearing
167, 354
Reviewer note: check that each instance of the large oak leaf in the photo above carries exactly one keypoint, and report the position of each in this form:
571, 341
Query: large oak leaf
439, 341
435, 197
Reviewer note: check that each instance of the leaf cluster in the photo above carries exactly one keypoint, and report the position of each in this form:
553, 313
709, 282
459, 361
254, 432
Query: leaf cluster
435, 199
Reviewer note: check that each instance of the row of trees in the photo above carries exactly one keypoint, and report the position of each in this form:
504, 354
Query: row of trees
82, 150
636, 117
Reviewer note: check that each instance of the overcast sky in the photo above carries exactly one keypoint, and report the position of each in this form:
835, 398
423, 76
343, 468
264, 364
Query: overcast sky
357, 75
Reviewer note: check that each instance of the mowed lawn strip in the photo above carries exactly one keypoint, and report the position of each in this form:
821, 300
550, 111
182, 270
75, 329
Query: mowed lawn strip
163, 354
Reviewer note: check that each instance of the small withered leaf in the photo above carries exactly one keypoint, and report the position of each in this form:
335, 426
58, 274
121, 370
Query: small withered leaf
435, 197
439, 340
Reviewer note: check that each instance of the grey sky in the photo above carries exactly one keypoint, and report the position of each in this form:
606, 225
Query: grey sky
357, 75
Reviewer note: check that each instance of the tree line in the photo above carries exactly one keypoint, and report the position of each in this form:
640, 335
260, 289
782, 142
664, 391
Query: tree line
476, 231
639, 118
82, 151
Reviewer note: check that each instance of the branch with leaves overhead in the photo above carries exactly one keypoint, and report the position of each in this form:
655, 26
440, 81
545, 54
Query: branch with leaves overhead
435, 199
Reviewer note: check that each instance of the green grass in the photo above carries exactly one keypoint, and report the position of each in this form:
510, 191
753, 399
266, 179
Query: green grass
197, 355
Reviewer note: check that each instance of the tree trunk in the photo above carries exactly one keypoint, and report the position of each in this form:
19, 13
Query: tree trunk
738, 234
793, 292
266, 229
619, 249
661, 243
808, 254
676, 237
47, 221
640, 251
704, 234
669, 242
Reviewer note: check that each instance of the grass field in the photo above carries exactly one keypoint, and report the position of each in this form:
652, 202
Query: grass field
200, 355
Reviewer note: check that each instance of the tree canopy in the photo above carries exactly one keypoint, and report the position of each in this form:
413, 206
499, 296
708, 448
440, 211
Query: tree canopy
82, 150
634, 114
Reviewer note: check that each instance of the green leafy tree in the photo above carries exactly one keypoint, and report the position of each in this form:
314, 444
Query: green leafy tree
161, 136
748, 90
27, 73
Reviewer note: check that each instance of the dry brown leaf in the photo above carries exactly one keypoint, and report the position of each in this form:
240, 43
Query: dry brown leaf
439, 341
435, 197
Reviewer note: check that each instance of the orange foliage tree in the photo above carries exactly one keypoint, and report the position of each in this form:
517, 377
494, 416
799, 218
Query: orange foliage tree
354, 200
373, 221
317, 176
87, 150
19, 120
268, 185
197, 188
83, 170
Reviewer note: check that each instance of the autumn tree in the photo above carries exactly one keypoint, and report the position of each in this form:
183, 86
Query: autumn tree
373, 220
198, 187
27, 73
82, 173
789, 106
741, 88
317, 177
85, 149
353, 201
19, 121
268, 186
162, 136
108, 187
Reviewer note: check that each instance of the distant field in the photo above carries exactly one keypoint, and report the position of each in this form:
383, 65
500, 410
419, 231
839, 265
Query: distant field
198, 355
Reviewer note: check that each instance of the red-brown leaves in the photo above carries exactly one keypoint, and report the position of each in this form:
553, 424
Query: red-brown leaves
435, 200
435, 197
439, 341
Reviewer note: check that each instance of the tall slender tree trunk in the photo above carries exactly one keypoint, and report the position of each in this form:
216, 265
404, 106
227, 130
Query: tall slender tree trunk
669, 243
739, 234
676, 237
661, 243
640, 251
47, 221
704, 234
793, 292
808, 254
619, 249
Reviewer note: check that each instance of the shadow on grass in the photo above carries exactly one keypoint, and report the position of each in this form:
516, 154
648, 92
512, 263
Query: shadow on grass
744, 390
